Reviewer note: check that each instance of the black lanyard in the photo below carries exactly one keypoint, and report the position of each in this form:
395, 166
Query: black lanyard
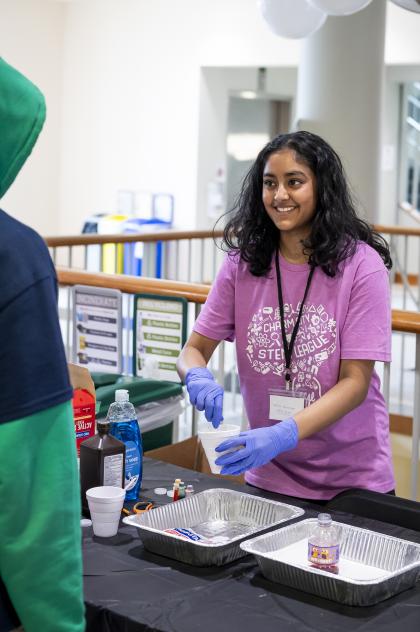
288, 348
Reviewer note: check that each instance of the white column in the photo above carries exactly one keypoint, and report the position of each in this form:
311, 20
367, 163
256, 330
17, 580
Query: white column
339, 95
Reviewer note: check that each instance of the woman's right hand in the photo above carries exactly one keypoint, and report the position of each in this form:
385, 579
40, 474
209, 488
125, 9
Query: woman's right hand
205, 394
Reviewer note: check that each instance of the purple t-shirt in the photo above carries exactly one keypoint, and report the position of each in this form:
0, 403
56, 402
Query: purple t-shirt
345, 317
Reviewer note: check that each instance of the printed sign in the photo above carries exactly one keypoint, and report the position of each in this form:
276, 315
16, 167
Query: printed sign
160, 332
97, 328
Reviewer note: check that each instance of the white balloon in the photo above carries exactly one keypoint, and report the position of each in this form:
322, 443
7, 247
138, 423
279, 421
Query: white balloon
411, 5
291, 18
340, 7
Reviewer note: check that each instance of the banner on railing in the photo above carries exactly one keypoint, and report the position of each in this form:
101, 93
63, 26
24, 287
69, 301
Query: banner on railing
160, 328
97, 328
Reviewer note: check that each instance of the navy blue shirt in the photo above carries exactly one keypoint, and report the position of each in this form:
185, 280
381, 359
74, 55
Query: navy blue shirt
33, 367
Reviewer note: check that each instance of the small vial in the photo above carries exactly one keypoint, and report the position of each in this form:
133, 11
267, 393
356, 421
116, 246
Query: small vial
323, 545
189, 490
176, 489
181, 493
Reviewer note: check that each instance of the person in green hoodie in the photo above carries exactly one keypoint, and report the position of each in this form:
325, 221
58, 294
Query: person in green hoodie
40, 537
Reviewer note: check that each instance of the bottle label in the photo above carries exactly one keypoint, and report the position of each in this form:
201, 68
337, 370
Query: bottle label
132, 464
84, 416
323, 555
113, 470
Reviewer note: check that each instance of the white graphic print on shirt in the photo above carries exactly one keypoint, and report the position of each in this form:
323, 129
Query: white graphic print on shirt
315, 341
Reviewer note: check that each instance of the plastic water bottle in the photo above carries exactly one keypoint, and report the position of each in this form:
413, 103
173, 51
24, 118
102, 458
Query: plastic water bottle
323, 545
124, 426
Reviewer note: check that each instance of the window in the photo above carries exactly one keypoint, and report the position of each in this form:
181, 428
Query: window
410, 148
410, 182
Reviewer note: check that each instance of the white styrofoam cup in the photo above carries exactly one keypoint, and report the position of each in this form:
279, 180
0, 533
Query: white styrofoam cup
105, 504
211, 437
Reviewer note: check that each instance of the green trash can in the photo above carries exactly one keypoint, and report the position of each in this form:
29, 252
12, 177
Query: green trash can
158, 405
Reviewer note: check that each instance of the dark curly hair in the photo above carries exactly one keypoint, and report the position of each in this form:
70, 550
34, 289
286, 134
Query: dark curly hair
335, 228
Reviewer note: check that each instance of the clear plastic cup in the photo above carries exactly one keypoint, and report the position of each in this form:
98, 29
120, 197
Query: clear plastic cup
105, 504
211, 437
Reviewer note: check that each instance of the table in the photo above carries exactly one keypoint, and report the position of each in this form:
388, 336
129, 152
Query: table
128, 589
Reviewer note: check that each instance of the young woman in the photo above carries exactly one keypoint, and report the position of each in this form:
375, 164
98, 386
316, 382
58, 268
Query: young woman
304, 291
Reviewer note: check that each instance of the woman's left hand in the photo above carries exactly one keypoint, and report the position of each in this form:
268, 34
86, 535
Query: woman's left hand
257, 447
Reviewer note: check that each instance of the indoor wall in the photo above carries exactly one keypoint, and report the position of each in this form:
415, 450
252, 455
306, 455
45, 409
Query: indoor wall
137, 95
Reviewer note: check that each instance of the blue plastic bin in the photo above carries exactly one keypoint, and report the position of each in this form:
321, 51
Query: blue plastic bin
133, 253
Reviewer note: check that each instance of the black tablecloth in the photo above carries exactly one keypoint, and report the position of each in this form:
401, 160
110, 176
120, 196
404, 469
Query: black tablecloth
128, 589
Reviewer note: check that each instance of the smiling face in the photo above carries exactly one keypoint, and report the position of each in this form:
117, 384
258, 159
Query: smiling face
289, 194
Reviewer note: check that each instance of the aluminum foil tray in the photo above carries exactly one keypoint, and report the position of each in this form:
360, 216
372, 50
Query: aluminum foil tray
222, 519
372, 566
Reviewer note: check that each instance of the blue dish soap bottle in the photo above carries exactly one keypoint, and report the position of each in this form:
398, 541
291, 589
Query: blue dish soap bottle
124, 426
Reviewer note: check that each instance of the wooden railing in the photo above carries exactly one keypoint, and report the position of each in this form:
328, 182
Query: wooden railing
404, 231
176, 235
193, 292
403, 321
407, 322
399, 248
193, 256
400, 254
92, 239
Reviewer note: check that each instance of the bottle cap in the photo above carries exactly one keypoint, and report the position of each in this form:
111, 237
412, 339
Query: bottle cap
121, 395
324, 519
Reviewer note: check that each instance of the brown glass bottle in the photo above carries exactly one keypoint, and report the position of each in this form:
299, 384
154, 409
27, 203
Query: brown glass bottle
102, 462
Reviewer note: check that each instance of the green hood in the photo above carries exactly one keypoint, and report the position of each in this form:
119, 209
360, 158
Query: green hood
22, 115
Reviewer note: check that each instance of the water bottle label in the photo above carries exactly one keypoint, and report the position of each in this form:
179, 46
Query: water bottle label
323, 555
132, 465
113, 470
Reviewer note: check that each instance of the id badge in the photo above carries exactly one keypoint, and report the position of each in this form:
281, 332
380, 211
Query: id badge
285, 403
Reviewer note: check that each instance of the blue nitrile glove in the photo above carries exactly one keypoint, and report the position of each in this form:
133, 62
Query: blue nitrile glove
260, 446
205, 394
